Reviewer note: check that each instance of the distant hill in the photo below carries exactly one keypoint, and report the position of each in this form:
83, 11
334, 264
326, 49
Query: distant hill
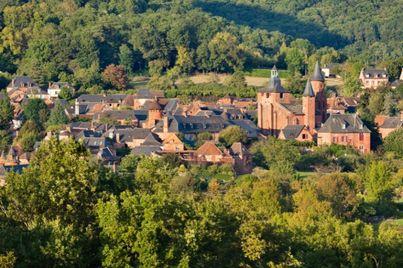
358, 26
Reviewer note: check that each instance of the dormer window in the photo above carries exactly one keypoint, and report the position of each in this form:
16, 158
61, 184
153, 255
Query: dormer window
281, 95
343, 125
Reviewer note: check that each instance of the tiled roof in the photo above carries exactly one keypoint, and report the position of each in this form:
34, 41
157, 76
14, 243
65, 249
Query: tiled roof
344, 123
239, 149
208, 148
146, 149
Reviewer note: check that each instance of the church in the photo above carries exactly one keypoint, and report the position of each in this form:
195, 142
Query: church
283, 116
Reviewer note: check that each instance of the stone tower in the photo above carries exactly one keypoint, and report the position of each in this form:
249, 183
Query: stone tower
308, 106
318, 86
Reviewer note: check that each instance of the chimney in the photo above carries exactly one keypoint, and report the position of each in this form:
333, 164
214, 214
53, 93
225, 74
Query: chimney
165, 124
117, 137
77, 108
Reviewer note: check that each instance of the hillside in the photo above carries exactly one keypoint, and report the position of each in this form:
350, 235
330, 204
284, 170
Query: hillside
75, 40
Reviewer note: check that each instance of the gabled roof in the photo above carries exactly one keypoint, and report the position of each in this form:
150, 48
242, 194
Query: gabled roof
308, 92
291, 132
149, 94
344, 123
293, 107
193, 124
374, 73
146, 149
239, 149
20, 81
317, 73
151, 140
209, 148
392, 122
90, 98
130, 134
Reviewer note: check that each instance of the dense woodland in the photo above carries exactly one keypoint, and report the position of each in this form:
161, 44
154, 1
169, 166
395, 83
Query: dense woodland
67, 210
75, 40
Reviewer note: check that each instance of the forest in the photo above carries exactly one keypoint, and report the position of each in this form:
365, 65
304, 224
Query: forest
66, 210
75, 40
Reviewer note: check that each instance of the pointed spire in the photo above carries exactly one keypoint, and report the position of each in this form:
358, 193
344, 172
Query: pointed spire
274, 72
308, 92
317, 73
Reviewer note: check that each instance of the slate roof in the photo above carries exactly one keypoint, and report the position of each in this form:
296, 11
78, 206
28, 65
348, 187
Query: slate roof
146, 150
171, 106
239, 149
247, 125
149, 94
116, 114
294, 107
115, 98
317, 73
292, 131
193, 124
151, 105
152, 140
308, 92
129, 134
88, 98
274, 86
344, 123
20, 81
392, 122
374, 73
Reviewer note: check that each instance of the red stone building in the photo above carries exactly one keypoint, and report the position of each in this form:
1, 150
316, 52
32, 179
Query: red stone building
345, 129
278, 109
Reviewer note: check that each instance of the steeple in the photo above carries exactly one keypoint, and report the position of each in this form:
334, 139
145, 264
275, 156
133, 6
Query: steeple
317, 73
274, 72
308, 92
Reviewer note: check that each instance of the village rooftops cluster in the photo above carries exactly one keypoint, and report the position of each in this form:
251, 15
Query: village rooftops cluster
148, 123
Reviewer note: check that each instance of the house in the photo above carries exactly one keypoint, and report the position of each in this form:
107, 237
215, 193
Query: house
120, 117
278, 109
23, 83
329, 70
210, 153
388, 124
190, 126
130, 137
150, 146
242, 158
172, 143
296, 132
345, 129
373, 78
54, 88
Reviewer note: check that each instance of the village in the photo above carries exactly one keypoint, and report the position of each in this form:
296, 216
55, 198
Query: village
148, 123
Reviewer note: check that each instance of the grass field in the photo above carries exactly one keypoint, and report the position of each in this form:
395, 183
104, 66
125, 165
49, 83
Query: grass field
266, 73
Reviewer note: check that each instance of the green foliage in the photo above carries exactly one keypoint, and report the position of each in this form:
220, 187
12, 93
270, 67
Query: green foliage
57, 116
232, 134
36, 111
286, 154
6, 112
5, 140
394, 142
66, 93
28, 135
236, 80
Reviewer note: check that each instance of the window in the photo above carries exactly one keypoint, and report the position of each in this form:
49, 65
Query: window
304, 136
342, 138
361, 136
281, 95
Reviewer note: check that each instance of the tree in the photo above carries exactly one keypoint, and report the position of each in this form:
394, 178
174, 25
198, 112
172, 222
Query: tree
295, 60
286, 154
378, 184
62, 183
36, 111
6, 112
225, 54
57, 116
236, 80
66, 93
115, 76
394, 142
126, 58
232, 134
5, 140
28, 135
185, 60
339, 190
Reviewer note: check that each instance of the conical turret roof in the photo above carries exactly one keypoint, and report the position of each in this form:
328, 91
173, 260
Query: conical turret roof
308, 92
317, 73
